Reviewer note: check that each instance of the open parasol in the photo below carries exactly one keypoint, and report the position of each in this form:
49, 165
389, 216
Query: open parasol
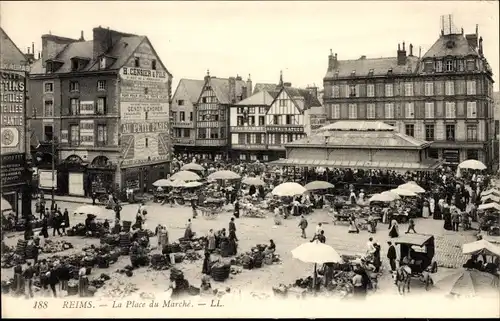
223, 175
161, 183
490, 198
5, 205
403, 192
176, 183
481, 247
472, 164
385, 198
192, 167
185, 176
318, 185
412, 186
192, 184
391, 195
465, 282
90, 209
490, 191
253, 181
489, 206
289, 189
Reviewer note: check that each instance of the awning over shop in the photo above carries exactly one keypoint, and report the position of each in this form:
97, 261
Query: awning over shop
427, 166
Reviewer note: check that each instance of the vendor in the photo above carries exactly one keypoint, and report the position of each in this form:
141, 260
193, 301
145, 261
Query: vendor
271, 248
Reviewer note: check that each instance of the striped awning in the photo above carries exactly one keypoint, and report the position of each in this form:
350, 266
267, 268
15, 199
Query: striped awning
428, 166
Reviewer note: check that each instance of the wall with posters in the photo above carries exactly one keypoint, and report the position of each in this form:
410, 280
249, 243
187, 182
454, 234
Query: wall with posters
12, 127
144, 109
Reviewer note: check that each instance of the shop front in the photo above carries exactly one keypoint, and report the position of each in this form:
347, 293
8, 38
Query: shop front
71, 177
101, 175
141, 178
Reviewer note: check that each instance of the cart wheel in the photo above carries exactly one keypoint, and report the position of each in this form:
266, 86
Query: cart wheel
434, 267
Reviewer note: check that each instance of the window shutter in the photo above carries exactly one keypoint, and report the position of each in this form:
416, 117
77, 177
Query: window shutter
357, 90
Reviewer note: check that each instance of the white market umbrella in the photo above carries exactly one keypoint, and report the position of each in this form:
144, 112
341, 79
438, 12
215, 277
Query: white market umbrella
391, 195
5, 205
318, 185
225, 174
192, 184
253, 181
161, 183
289, 189
489, 206
472, 164
317, 253
490, 191
176, 183
403, 192
466, 282
385, 198
490, 198
185, 176
412, 186
91, 209
192, 167
481, 247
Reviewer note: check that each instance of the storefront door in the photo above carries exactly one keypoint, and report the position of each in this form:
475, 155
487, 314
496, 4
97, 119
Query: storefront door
76, 184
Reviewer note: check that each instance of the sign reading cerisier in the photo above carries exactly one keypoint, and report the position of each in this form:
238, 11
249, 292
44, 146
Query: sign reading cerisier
143, 74
137, 128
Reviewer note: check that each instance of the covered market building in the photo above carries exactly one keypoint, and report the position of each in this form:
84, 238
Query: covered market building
359, 145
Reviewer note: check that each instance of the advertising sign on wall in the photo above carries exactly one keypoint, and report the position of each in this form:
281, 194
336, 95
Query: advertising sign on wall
12, 122
12, 169
87, 108
136, 111
87, 137
64, 136
139, 74
45, 180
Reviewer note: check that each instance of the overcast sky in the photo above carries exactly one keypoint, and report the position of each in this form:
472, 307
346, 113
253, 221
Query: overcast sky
259, 38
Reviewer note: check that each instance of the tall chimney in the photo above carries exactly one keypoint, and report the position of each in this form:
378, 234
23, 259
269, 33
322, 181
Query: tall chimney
249, 86
232, 90
480, 50
28, 51
81, 36
411, 50
207, 76
401, 55
33, 48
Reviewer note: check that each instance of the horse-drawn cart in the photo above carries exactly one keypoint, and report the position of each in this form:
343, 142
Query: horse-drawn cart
416, 259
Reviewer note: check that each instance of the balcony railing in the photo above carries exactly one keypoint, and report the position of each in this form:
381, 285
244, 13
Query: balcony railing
183, 141
249, 146
240, 129
211, 142
182, 124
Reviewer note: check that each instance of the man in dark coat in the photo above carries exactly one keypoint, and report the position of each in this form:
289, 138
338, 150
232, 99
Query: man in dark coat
56, 224
391, 255
232, 226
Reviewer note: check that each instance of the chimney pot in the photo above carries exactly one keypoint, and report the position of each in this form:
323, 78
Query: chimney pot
28, 50
331, 52
335, 56
404, 46
399, 47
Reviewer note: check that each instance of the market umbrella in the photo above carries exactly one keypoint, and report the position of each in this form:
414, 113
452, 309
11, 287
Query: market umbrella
317, 253
176, 183
5, 205
490, 198
412, 186
253, 181
490, 191
90, 209
223, 175
403, 192
489, 206
391, 195
185, 176
472, 164
161, 183
289, 189
318, 185
481, 247
192, 184
465, 282
192, 167
381, 198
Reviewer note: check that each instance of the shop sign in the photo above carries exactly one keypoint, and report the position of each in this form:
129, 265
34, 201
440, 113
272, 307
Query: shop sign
140, 111
87, 108
145, 161
15, 67
87, 133
139, 74
64, 136
12, 169
45, 180
12, 110
145, 127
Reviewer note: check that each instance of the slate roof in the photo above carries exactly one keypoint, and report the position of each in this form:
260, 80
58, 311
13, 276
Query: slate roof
265, 87
76, 49
362, 135
380, 67
309, 99
441, 48
9, 52
221, 88
261, 98
193, 88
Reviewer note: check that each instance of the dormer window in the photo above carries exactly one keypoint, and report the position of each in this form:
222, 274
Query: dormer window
49, 68
449, 65
471, 65
102, 63
439, 66
336, 74
389, 71
370, 72
74, 64
153, 64
428, 66
136, 62
353, 73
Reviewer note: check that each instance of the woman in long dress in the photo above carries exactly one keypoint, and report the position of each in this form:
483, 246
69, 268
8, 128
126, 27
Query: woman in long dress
188, 234
432, 205
353, 226
211, 241
425, 210
394, 229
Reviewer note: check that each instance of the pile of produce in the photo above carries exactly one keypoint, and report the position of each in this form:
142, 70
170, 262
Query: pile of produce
182, 286
138, 256
255, 258
12, 259
111, 239
220, 271
160, 262
192, 255
127, 270
118, 289
184, 245
80, 230
57, 246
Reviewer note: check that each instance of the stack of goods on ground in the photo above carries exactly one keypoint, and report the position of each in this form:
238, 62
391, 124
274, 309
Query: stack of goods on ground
18, 256
80, 230
220, 270
138, 256
102, 255
56, 246
182, 286
185, 249
256, 258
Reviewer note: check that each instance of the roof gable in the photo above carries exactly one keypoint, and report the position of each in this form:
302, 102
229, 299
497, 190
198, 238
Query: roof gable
450, 45
261, 98
265, 87
10, 54
189, 89
220, 86
373, 67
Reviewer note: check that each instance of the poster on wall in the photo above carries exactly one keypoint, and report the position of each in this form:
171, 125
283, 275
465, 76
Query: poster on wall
87, 135
12, 121
140, 111
75, 184
45, 179
87, 108
12, 169
64, 136
139, 74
